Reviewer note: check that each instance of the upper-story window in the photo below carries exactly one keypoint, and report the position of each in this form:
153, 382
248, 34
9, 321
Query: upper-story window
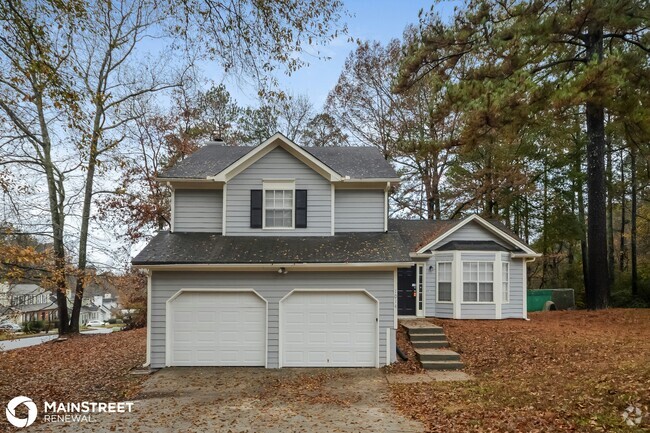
279, 205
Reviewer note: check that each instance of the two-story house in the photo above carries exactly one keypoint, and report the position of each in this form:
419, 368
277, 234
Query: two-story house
27, 302
284, 256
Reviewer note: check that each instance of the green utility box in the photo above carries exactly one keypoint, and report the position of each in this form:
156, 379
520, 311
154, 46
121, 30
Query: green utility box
537, 299
551, 299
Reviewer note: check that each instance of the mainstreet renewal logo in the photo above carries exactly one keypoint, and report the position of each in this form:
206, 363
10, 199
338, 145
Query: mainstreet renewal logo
11, 411
62, 412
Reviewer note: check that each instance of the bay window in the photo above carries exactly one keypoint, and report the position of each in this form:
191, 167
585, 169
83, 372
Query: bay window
444, 281
478, 282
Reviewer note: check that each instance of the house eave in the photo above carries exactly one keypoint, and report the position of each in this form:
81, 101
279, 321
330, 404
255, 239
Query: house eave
390, 266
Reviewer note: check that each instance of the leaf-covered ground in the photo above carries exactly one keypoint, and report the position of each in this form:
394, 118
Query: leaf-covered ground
86, 367
561, 371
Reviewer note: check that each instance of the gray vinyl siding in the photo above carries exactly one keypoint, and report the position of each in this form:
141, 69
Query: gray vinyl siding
359, 210
478, 311
198, 210
279, 164
472, 231
515, 308
432, 307
271, 287
477, 257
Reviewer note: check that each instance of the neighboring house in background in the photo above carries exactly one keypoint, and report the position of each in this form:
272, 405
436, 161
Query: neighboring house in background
284, 256
28, 302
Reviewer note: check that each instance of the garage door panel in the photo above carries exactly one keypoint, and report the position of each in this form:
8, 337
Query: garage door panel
329, 329
218, 329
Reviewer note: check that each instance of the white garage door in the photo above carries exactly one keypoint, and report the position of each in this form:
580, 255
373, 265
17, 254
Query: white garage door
218, 329
329, 329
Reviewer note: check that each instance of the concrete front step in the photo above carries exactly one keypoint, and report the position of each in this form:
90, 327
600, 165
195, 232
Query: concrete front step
427, 337
437, 355
434, 330
442, 365
429, 344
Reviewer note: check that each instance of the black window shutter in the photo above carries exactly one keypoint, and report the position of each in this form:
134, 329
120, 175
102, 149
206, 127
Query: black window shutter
301, 208
256, 208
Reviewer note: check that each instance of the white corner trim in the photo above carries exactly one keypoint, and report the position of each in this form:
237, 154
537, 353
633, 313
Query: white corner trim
524, 284
168, 324
487, 226
148, 359
224, 209
386, 206
173, 210
388, 346
327, 290
395, 298
457, 284
497, 284
333, 209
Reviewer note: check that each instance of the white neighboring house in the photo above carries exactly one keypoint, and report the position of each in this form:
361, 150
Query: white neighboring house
27, 302
99, 307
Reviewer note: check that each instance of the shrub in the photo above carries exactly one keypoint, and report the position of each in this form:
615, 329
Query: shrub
112, 321
33, 326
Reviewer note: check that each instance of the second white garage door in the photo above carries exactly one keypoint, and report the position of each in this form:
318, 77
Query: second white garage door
329, 329
217, 329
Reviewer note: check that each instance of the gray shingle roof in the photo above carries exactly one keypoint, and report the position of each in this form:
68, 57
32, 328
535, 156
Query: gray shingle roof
209, 248
206, 161
418, 233
475, 246
356, 162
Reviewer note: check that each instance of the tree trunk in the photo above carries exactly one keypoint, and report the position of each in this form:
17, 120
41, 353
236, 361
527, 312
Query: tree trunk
598, 284
85, 219
635, 276
622, 253
581, 215
610, 216
56, 199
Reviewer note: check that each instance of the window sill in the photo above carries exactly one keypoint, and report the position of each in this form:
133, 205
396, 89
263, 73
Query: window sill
478, 303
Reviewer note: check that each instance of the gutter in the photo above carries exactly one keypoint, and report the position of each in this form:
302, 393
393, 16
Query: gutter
526, 256
270, 266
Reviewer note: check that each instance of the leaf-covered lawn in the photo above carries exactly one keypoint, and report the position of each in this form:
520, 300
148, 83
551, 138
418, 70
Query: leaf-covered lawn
561, 371
86, 367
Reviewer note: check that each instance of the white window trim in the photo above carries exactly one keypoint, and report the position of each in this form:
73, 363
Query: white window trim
421, 286
505, 281
279, 185
451, 264
462, 284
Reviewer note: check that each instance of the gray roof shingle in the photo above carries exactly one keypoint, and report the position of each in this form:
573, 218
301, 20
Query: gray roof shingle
213, 248
418, 233
356, 162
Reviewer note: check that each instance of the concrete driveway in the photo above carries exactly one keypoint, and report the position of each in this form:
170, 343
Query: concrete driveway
256, 400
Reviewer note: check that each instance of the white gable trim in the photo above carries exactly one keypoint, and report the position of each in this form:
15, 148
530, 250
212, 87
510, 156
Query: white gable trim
277, 140
487, 226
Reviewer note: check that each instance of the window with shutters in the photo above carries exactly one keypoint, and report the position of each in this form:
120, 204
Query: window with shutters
278, 205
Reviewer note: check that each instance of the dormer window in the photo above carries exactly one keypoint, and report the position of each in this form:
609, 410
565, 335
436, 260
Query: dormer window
279, 205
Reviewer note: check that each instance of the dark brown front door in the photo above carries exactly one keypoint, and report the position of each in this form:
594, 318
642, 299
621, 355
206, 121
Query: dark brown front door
406, 292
